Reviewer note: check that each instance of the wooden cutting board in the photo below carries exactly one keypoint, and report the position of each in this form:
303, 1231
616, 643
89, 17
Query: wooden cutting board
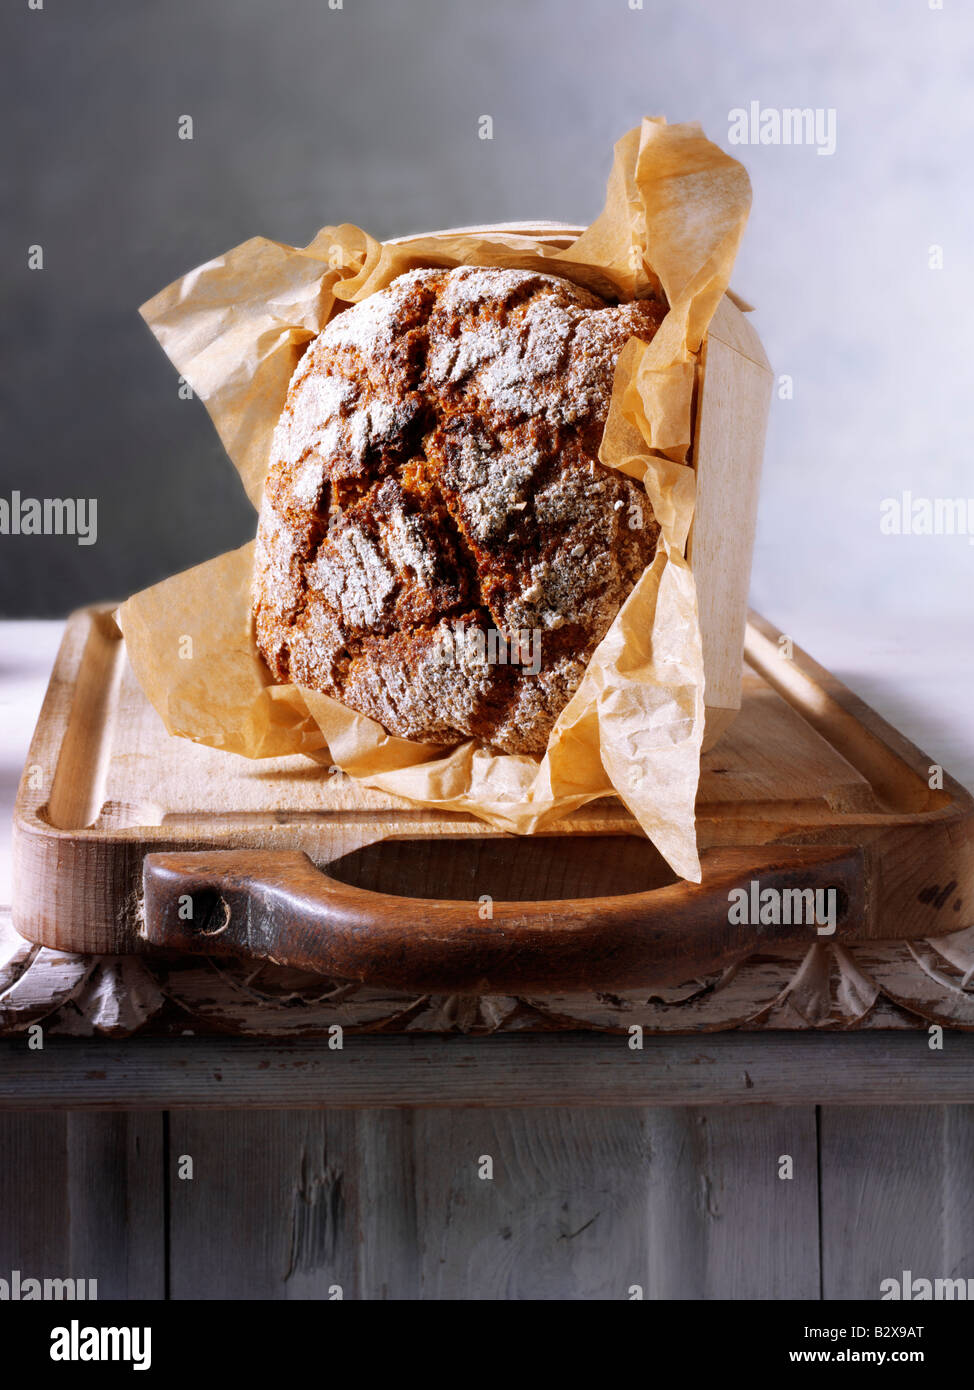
807, 788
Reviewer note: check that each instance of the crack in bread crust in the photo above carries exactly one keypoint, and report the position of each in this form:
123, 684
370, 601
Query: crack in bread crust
435, 475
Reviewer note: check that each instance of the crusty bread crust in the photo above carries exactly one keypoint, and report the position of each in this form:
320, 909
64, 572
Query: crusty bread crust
439, 547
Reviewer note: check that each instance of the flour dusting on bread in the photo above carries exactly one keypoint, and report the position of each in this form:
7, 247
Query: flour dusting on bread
434, 494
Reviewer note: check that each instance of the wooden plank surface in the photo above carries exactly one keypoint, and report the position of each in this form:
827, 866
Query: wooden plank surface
81, 1196
116, 1201
583, 1204
34, 1204
685, 1202
725, 1223
897, 1192
560, 1212
504, 1071
578, 1204
388, 1195
272, 1208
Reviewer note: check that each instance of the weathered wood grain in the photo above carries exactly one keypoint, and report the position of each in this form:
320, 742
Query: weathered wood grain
562, 1216
388, 1199
34, 1210
271, 1210
294, 1205
581, 1204
724, 1223
512, 1070
116, 1201
897, 1193
81, 1196
600, 1203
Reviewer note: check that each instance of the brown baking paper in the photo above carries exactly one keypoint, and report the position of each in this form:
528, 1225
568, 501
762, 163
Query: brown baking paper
236, 328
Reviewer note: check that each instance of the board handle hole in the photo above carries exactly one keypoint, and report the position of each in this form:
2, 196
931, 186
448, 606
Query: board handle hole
507, 868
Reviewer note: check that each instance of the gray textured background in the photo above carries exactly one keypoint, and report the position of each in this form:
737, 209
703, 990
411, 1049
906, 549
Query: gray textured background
305, 115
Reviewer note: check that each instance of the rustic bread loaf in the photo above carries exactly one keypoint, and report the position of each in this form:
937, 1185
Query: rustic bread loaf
439, 547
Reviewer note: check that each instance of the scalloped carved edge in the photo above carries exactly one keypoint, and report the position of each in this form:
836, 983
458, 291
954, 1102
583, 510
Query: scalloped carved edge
882, 984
